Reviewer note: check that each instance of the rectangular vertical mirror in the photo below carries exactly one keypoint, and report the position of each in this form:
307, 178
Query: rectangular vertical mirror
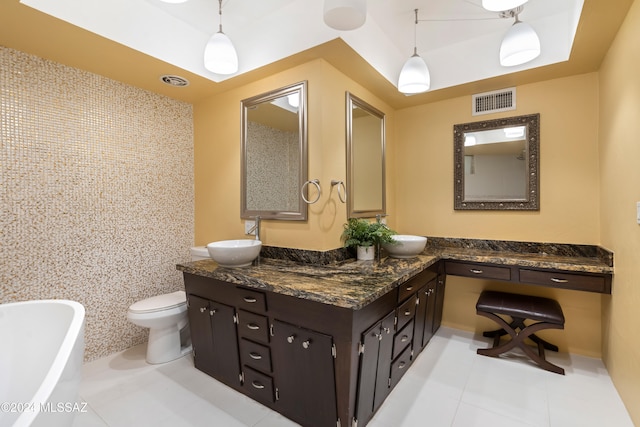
274, 154
365, 159
496, 164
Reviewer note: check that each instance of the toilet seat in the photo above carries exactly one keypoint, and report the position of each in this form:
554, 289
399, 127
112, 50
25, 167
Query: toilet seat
159, 303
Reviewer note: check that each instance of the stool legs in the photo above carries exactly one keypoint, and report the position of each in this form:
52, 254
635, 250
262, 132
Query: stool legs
517, 340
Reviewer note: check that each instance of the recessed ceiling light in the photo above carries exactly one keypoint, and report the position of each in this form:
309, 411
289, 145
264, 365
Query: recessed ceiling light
172, 80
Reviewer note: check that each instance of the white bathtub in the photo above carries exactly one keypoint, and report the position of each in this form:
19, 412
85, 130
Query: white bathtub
41, 355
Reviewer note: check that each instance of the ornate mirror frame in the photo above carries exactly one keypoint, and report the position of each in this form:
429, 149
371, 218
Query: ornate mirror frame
280, 97
531, 201
369, 147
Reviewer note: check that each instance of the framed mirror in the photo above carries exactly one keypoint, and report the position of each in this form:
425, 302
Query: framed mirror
365, 159
274, 154
496, 164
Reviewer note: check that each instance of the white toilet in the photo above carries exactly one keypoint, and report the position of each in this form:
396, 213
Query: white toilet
166, 317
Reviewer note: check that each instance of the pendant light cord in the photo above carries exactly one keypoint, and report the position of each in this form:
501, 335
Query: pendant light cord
220, 13
415, 34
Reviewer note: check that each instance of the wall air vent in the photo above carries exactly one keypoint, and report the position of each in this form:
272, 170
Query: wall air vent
493, 102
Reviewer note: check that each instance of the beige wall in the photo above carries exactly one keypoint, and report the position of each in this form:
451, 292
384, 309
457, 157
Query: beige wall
96, 189
569, 195
620, 189
217, 159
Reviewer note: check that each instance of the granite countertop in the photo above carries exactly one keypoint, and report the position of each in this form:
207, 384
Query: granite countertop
350, 284
354, 284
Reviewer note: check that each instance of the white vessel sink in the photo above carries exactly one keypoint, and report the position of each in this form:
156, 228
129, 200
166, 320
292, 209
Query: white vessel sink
234, 253
407, 246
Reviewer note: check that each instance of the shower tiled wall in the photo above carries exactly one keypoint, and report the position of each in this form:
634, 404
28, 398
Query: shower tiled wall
96, 193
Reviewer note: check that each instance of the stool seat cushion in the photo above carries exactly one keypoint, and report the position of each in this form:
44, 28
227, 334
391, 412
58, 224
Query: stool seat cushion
521, 306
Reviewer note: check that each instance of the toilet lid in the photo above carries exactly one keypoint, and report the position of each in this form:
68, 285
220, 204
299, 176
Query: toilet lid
160, 302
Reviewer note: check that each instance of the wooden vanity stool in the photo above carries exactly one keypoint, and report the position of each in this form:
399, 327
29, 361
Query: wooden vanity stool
546, 312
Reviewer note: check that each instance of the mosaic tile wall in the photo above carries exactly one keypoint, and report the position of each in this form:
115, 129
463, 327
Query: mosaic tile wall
96, 192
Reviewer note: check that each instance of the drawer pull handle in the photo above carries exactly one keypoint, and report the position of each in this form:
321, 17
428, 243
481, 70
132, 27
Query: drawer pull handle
402, 365
409, 288
253, 326
255, 356
404, 338
555, 279
250, 299
291, 338
306, 344
407, 313
257, 385
475, 271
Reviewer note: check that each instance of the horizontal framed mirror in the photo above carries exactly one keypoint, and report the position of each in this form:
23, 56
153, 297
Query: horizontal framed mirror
365, 159
496, 164
274, 154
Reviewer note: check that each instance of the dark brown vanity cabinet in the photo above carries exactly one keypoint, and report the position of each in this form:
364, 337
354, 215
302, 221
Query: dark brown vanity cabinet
304, 364
214, 338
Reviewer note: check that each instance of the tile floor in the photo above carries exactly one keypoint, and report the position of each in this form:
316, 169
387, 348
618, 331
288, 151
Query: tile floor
447, 385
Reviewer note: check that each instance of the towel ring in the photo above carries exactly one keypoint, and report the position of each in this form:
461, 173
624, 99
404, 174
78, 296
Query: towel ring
342, 196
315, 182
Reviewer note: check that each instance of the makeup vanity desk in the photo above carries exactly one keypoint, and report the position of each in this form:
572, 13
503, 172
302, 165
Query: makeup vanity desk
324, 343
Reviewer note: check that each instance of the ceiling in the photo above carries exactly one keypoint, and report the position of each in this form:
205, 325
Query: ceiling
458, 39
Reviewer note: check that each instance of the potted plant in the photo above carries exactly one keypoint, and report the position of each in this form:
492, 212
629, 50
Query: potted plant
365, 236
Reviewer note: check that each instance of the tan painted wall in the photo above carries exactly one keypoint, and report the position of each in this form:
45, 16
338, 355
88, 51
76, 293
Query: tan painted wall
620, 189
569, 193
217, 159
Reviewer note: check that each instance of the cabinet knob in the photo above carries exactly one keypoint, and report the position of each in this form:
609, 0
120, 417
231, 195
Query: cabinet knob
212, 312
203, 309
291, 338
387, 330
306, 344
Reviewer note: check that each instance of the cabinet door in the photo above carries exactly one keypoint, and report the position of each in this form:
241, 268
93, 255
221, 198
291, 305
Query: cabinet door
439, 303
375, 366
304, 377
215, 339
430, 295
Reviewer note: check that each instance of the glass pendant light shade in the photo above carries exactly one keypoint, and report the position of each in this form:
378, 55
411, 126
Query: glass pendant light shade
501, 5
220, 56
345, 15
520, 45
414, 76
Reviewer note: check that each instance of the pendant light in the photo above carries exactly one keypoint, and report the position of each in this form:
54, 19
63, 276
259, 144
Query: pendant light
345, 15
220, 56
414, 76
521, 43
500, 5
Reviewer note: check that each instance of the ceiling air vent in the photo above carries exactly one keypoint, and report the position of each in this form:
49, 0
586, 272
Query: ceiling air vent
494, 102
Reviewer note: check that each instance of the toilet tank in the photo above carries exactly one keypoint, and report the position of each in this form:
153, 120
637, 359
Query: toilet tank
199, 252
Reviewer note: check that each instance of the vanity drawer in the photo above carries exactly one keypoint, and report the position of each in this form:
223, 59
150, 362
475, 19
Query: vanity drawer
251, 300
400, 365
412, 285
402, 339
405, 312
582, 282
482, 271
253, 326
255, 355
259, 386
